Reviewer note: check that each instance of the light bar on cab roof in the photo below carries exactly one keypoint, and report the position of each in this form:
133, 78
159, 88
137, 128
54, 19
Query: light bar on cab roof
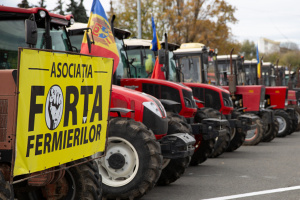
59, 21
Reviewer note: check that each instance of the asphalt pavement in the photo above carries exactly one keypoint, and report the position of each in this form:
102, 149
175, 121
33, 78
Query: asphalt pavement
268, 171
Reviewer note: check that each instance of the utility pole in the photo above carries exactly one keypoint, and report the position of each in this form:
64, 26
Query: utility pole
139, 21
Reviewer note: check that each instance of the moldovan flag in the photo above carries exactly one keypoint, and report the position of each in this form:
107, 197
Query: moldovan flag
258, 63
104, 42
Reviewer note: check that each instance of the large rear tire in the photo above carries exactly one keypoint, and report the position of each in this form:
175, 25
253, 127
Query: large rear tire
87, 180
133, 160
81, 181
174, 168
238, 135
254, 137
285, 123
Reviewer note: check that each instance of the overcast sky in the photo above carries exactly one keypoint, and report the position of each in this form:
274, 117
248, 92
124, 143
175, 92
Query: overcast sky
273, 19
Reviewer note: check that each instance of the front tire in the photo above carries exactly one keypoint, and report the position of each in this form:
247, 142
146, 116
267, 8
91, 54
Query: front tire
174, 168
133, 160
271, 131
285, 123
254, 137
203, 148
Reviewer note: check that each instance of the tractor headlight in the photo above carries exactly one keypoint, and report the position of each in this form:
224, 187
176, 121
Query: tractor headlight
42, 13
286, 103
153, 107
72, 21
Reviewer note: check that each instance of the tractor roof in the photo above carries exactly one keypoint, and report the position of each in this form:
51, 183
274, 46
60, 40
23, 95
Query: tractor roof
227, 57
253, 61
22, 13
119, 33
137, 42
190, 47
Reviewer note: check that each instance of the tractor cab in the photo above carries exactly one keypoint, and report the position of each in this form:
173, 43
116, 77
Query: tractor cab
48, 28
192, 61
225, 70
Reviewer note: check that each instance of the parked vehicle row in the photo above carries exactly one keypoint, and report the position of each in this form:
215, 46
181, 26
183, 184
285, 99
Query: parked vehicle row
115, 127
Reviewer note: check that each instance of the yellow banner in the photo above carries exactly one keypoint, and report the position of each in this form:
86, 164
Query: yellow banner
63, 107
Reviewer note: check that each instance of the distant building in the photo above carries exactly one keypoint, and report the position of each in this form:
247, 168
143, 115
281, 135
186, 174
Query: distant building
268, 46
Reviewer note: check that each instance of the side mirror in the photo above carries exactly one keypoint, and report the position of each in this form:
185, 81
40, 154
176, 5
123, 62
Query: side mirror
31, 32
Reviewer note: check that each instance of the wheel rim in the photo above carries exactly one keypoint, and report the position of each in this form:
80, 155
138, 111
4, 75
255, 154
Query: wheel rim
165, 162
251, 134
233, 132
118, 177
282, 124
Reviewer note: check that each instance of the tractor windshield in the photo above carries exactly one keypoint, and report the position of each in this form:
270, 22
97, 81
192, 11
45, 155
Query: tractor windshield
13, 36
190, 67
250, 73
224, 70
142, 60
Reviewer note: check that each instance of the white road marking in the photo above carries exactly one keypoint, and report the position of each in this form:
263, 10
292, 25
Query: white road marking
256, 193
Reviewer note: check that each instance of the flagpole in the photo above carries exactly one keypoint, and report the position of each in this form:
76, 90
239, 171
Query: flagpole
139, 21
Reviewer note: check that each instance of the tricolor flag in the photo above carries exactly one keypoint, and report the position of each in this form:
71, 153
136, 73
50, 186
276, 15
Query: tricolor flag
258, 63
155, 44
104, 42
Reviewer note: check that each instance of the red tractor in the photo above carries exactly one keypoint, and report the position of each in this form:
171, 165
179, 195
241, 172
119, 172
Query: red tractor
176, 98
138, 118
195, 70
79, 179
276, 97
248, 99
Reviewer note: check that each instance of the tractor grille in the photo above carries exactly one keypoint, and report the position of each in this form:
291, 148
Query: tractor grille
3, 119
